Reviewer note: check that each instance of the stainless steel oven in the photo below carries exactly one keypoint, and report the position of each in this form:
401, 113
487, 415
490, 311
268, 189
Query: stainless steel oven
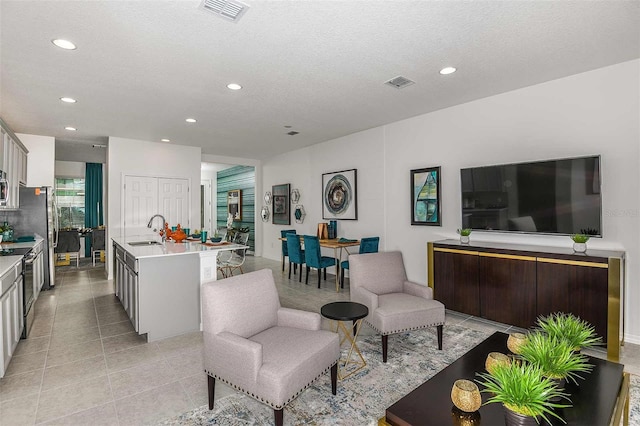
28, 295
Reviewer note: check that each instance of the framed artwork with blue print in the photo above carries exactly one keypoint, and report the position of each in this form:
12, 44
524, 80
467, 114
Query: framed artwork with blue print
425, 196
339, 195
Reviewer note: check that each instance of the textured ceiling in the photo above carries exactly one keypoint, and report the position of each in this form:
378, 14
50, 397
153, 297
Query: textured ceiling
142, 67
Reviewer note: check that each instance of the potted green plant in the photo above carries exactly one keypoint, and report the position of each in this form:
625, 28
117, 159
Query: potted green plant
579, 333
464, 234
554, 356
524, 393
580, 242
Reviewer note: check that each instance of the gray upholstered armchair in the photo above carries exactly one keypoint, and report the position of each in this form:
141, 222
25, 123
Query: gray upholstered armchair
254, 345
379, 281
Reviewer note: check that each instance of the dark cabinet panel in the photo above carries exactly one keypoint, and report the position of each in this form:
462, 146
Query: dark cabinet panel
508, 289
456, 275
579, 289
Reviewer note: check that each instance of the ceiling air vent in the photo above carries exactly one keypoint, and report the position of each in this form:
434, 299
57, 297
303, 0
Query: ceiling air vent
293, 133
228, 9
399, 82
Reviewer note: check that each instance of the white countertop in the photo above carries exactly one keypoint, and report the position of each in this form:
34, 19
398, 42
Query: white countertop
170, 248
28, 244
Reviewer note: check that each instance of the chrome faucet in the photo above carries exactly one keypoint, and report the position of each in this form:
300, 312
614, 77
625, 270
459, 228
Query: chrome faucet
164, 222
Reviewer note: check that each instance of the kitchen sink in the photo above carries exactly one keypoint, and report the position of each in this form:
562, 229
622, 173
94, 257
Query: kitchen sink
145, 243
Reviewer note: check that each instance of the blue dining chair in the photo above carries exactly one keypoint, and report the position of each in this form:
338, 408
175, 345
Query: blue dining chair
296, 254
285, 252
315, 259
367, 245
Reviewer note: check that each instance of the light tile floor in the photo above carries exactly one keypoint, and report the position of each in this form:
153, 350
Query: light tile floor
84, 364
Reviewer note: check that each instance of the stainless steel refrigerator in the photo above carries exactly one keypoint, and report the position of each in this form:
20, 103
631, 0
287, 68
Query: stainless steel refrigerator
37, 215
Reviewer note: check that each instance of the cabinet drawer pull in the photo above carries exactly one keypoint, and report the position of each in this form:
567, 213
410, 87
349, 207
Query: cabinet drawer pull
456, 251
508, 256
573, 262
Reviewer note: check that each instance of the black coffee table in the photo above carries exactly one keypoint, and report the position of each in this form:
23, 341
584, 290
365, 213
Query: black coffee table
347, 311
594, 400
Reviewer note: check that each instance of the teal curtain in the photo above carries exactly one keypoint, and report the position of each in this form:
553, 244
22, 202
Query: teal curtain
93, 206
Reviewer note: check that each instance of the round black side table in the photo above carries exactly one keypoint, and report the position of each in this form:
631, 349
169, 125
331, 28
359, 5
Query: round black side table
347, 311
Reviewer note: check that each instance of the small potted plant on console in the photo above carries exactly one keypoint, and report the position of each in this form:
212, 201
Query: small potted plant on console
464, 235
580, 242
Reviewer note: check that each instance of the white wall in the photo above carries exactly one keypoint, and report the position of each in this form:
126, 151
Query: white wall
40, 160
596, 112
70, 169
142, 158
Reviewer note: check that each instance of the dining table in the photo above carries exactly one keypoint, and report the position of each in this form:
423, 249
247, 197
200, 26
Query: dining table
337, 244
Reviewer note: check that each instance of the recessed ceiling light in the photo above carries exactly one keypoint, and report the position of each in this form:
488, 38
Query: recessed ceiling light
234, 86
73, 129
447, 70
68, 100
64, 44
165, 140
190, 120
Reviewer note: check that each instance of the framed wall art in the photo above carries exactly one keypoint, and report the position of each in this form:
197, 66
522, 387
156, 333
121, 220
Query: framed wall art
280, 208
425, 196
339, 195
234, 204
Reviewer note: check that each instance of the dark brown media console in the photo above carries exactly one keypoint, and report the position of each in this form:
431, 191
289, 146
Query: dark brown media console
514, 284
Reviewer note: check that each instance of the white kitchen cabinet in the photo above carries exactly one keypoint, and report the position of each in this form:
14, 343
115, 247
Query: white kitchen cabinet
161, 295
13, 163
126, 282
11, 316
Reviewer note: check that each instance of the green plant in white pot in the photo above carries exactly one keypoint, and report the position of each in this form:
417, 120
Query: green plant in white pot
524, 392
464, 234
579, 333
555, 357
580, 242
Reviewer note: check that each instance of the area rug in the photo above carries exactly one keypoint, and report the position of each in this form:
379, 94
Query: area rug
362, 398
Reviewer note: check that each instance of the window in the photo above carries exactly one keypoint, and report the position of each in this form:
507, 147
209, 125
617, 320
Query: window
70, 198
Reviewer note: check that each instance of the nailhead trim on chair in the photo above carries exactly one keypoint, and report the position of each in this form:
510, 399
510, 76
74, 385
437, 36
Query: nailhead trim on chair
272, 405
404, 329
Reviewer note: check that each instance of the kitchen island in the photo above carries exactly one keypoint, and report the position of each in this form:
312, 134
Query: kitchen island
159, 283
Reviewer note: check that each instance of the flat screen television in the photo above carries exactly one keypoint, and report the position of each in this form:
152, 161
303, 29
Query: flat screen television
548, 197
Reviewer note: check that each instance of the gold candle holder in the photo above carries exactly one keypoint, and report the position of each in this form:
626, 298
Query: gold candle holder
494, 359
466, 395
515, 342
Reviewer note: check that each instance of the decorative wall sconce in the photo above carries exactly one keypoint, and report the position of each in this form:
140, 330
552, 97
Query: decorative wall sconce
265, 214
295, 196
267, 198
299, 213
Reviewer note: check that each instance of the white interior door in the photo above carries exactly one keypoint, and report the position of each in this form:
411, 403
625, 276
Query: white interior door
140, 203
174, 201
